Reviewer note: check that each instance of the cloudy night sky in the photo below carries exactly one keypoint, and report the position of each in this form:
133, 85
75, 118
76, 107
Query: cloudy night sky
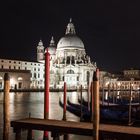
109, 29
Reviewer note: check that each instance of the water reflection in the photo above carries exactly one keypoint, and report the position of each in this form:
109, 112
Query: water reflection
21, 104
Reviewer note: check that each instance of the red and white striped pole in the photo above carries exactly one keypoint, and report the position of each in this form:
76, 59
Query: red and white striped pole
46, 93
64, 100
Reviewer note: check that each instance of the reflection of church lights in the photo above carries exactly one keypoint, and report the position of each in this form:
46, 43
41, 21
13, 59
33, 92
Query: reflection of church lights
74, 97
118, 94
106, 95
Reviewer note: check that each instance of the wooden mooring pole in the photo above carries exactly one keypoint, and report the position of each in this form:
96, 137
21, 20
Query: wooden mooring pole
46, 94
96, 105
66, 136
6, 110
91, 102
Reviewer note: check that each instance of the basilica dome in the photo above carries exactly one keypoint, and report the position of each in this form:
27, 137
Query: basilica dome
70, 40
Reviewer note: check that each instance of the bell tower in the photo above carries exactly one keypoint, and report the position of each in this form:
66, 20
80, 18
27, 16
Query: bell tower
40, 52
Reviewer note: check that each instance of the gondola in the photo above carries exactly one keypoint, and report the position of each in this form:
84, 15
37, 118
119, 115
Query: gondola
107, 113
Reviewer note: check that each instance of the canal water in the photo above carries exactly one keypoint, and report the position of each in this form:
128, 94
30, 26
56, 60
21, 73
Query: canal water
23, 103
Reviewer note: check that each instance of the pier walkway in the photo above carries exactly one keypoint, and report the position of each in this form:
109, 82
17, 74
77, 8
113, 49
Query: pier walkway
70, 127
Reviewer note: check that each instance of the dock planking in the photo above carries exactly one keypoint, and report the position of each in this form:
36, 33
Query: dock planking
70, 127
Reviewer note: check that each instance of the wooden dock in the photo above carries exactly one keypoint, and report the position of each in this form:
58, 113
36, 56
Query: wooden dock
71, 127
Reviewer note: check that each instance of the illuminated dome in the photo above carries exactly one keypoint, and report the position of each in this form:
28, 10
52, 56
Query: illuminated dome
70, 40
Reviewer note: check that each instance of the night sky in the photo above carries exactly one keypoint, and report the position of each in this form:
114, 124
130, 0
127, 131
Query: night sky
110, 29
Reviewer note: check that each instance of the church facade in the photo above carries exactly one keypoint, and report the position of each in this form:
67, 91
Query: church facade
68, 61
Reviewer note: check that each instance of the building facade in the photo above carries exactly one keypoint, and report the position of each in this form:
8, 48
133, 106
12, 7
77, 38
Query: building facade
68, 60
129, 78
23, 74
19, 79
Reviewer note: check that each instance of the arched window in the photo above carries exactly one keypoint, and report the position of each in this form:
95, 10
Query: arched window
70, 72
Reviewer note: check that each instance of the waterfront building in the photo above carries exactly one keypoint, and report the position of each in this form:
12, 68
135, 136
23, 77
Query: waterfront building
19, 79
128, 78
24, 74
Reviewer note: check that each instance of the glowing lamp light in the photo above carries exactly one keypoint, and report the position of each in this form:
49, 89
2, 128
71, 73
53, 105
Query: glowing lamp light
107, 83
119, 84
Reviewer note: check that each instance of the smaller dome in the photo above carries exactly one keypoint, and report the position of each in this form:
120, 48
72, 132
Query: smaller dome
52, 47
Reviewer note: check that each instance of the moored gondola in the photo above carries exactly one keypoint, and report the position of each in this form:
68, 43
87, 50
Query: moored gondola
108, 114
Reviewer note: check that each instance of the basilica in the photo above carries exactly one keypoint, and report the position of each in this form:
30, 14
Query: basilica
68, 61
